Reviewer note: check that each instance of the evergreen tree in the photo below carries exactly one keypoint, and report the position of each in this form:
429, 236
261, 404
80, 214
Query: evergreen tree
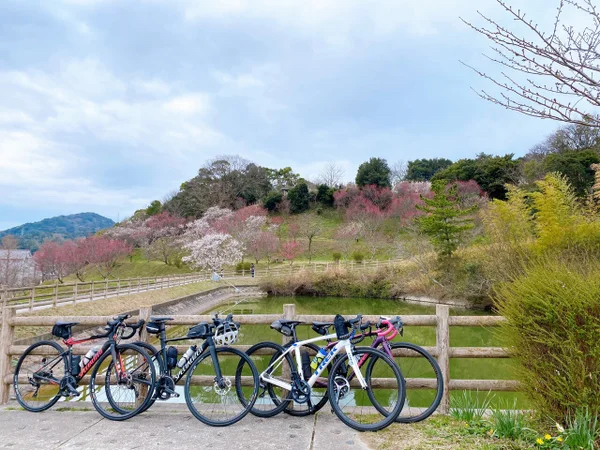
299, 198
444, 220
374, 171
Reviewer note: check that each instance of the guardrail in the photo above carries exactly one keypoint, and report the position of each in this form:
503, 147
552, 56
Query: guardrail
27, 298
441, 320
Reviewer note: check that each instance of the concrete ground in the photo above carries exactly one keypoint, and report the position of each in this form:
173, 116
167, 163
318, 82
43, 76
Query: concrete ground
171, 429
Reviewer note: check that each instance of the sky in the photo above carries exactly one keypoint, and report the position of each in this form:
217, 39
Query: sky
106, 105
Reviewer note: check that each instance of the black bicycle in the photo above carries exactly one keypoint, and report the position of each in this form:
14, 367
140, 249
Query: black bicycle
120, 385
218, 376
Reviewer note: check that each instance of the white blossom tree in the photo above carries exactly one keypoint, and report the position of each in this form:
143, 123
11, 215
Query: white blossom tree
213, 251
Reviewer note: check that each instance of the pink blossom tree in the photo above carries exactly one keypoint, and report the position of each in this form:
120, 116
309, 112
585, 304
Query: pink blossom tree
264, 245
105, 253
52, 261
290, 250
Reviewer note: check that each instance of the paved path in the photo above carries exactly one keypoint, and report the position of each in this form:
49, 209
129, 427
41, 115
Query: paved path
163, 428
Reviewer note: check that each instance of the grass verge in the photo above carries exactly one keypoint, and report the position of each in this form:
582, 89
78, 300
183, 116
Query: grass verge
116, 305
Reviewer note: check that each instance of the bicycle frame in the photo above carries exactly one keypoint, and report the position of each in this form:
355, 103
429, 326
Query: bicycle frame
337, 348
208, 343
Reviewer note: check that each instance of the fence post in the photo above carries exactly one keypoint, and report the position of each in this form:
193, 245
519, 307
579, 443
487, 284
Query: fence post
6, 338
105, 287
31, 298
289, 313
55, 294
443, 347
145, 313
92, 291
75, 292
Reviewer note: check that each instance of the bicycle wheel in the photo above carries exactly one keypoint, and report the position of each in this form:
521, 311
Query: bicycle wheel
38, 375
424, 381
357, 407
157, 359
270, 400
127, 393
215, 400
318, 392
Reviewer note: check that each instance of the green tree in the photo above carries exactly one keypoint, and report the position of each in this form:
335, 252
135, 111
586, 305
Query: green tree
576, 166
325, 195
374, 171
424, 169
444, 221
299, 197
154, 208
272, 200
492, 173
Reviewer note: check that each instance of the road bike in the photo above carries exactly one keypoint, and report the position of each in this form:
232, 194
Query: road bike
423, 376
364, 386
217, 376
121, 379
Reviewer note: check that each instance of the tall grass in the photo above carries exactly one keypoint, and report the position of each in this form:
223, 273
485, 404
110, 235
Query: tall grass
509, 422
468, 407
583, 430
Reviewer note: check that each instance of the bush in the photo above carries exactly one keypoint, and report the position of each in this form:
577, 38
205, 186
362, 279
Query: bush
358, 257
272, 200
241, 266
553, 329
337, 256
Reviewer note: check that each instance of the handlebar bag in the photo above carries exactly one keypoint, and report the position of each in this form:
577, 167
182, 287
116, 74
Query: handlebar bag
201, 331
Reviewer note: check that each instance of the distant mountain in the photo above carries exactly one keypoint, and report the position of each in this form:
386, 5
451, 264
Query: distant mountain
31, 235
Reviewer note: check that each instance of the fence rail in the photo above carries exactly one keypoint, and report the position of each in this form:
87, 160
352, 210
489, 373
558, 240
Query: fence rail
44, 295
442, 350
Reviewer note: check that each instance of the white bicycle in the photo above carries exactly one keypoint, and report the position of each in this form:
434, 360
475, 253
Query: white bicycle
365, 387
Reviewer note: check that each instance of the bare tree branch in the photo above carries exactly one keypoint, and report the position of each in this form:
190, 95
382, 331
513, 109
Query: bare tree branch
562, 67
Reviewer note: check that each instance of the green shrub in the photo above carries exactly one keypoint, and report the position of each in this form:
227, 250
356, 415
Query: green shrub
241, 266
358, 257
337, 256
553, 330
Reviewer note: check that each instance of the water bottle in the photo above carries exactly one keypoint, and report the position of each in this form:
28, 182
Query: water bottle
318, 358
186, 356
89, 355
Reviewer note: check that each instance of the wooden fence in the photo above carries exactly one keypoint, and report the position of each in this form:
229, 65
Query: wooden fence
27, 298
441, 320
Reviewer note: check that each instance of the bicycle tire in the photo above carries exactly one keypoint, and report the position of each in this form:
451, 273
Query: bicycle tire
18, 394
435, 368
155, 354
342, 366
121, 414
238, 384
265, 389
311, 409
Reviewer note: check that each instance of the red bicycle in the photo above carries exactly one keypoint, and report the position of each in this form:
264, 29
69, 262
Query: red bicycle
122, 375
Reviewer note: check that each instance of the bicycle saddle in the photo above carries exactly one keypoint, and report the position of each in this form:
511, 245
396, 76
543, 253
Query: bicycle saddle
160, 319
66, 324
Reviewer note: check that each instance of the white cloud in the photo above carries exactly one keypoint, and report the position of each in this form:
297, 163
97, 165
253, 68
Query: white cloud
188, 104
47, 120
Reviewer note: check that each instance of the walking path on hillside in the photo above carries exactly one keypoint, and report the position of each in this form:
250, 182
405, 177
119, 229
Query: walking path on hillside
164, 427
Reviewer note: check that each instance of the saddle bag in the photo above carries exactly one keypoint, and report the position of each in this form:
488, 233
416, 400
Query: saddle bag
281, 328
152, 328
62, 331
